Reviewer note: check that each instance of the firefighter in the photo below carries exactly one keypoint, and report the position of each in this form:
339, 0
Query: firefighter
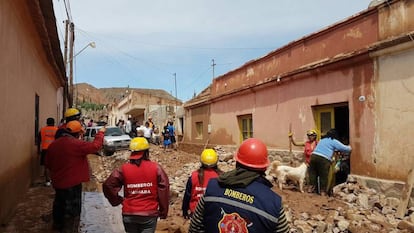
197, 182
146, 189
71, 114
67, 161
241, 200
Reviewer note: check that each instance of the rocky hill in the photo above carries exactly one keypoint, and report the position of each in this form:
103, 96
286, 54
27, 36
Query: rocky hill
91, 94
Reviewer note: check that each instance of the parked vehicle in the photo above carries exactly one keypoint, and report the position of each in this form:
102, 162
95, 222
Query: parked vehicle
114, 140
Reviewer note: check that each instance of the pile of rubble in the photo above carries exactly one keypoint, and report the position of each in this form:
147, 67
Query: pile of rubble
364, 209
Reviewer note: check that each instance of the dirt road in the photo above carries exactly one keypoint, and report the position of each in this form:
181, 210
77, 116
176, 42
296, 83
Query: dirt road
306, 212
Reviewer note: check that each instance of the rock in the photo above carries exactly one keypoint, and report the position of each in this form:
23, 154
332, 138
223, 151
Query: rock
406, 225
303, 226
343, 225
304, 216
320, 227
362, 200
379, 219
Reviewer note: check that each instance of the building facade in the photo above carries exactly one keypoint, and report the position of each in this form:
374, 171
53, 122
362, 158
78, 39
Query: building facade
31, 89
355, 76
140, 104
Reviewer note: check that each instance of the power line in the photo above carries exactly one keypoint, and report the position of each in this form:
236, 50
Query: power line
68, 11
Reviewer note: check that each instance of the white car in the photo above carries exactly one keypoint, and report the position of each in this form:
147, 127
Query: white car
114, 140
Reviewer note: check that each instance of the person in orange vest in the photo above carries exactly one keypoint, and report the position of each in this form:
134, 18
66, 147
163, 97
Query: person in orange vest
46, 137
197, 182
146, 189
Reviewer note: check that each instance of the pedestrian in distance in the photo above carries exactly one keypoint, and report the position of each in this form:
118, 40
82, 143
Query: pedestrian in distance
309, 144
129, 126
46, 137
171, 129
67, 161
241, 200
166, 138
156, 138
321, 161
90, 123
197, 182
147, 132
150, 123
146, 189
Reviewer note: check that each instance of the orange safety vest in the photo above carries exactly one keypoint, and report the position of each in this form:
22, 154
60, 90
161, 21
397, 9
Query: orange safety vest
47, 135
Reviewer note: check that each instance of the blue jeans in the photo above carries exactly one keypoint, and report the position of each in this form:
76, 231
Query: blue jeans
139, 224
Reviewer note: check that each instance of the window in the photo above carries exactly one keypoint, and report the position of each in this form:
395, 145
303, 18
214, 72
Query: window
246, 126
199, 130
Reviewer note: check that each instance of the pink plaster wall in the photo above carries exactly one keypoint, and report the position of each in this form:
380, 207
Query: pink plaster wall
344, 37
24, 72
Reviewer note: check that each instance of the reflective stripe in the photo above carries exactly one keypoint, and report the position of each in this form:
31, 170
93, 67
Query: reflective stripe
47, 135
241, 205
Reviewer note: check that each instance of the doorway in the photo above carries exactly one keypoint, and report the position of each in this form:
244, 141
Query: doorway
333, 116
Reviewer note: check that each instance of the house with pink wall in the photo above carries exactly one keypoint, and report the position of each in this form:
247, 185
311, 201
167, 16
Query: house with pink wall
355, 76
32, 87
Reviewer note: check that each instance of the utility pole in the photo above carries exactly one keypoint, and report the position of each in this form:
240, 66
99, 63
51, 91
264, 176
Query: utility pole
175, 85
213, 65
72, 40
65, 88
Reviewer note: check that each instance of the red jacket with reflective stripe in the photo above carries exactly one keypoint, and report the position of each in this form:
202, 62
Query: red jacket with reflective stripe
47, 136
197, 189
146, 189
140, 187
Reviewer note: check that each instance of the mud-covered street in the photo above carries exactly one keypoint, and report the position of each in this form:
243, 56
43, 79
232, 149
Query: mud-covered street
353, 209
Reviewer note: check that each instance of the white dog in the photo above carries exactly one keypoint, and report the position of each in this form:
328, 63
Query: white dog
283, 173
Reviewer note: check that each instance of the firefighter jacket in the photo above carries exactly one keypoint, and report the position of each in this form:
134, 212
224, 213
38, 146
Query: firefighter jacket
47, 136
67, 160
195, 190
146, 189
254, 208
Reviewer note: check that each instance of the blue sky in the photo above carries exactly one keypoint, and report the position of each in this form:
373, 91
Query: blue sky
141, 44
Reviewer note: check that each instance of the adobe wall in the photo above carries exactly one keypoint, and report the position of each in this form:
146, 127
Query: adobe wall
25, 73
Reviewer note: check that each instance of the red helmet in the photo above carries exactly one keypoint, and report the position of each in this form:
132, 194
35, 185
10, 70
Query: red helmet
253, 153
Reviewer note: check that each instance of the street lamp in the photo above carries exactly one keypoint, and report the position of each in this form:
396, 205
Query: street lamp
91, 44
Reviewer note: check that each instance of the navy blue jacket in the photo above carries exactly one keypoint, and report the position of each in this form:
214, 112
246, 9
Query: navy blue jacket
255, 208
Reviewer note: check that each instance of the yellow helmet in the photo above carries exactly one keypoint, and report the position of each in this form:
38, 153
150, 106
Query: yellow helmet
209, 158
138, 144
72, 114
312, 132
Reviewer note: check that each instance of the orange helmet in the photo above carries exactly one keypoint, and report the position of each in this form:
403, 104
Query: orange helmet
252, 153
74, 127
